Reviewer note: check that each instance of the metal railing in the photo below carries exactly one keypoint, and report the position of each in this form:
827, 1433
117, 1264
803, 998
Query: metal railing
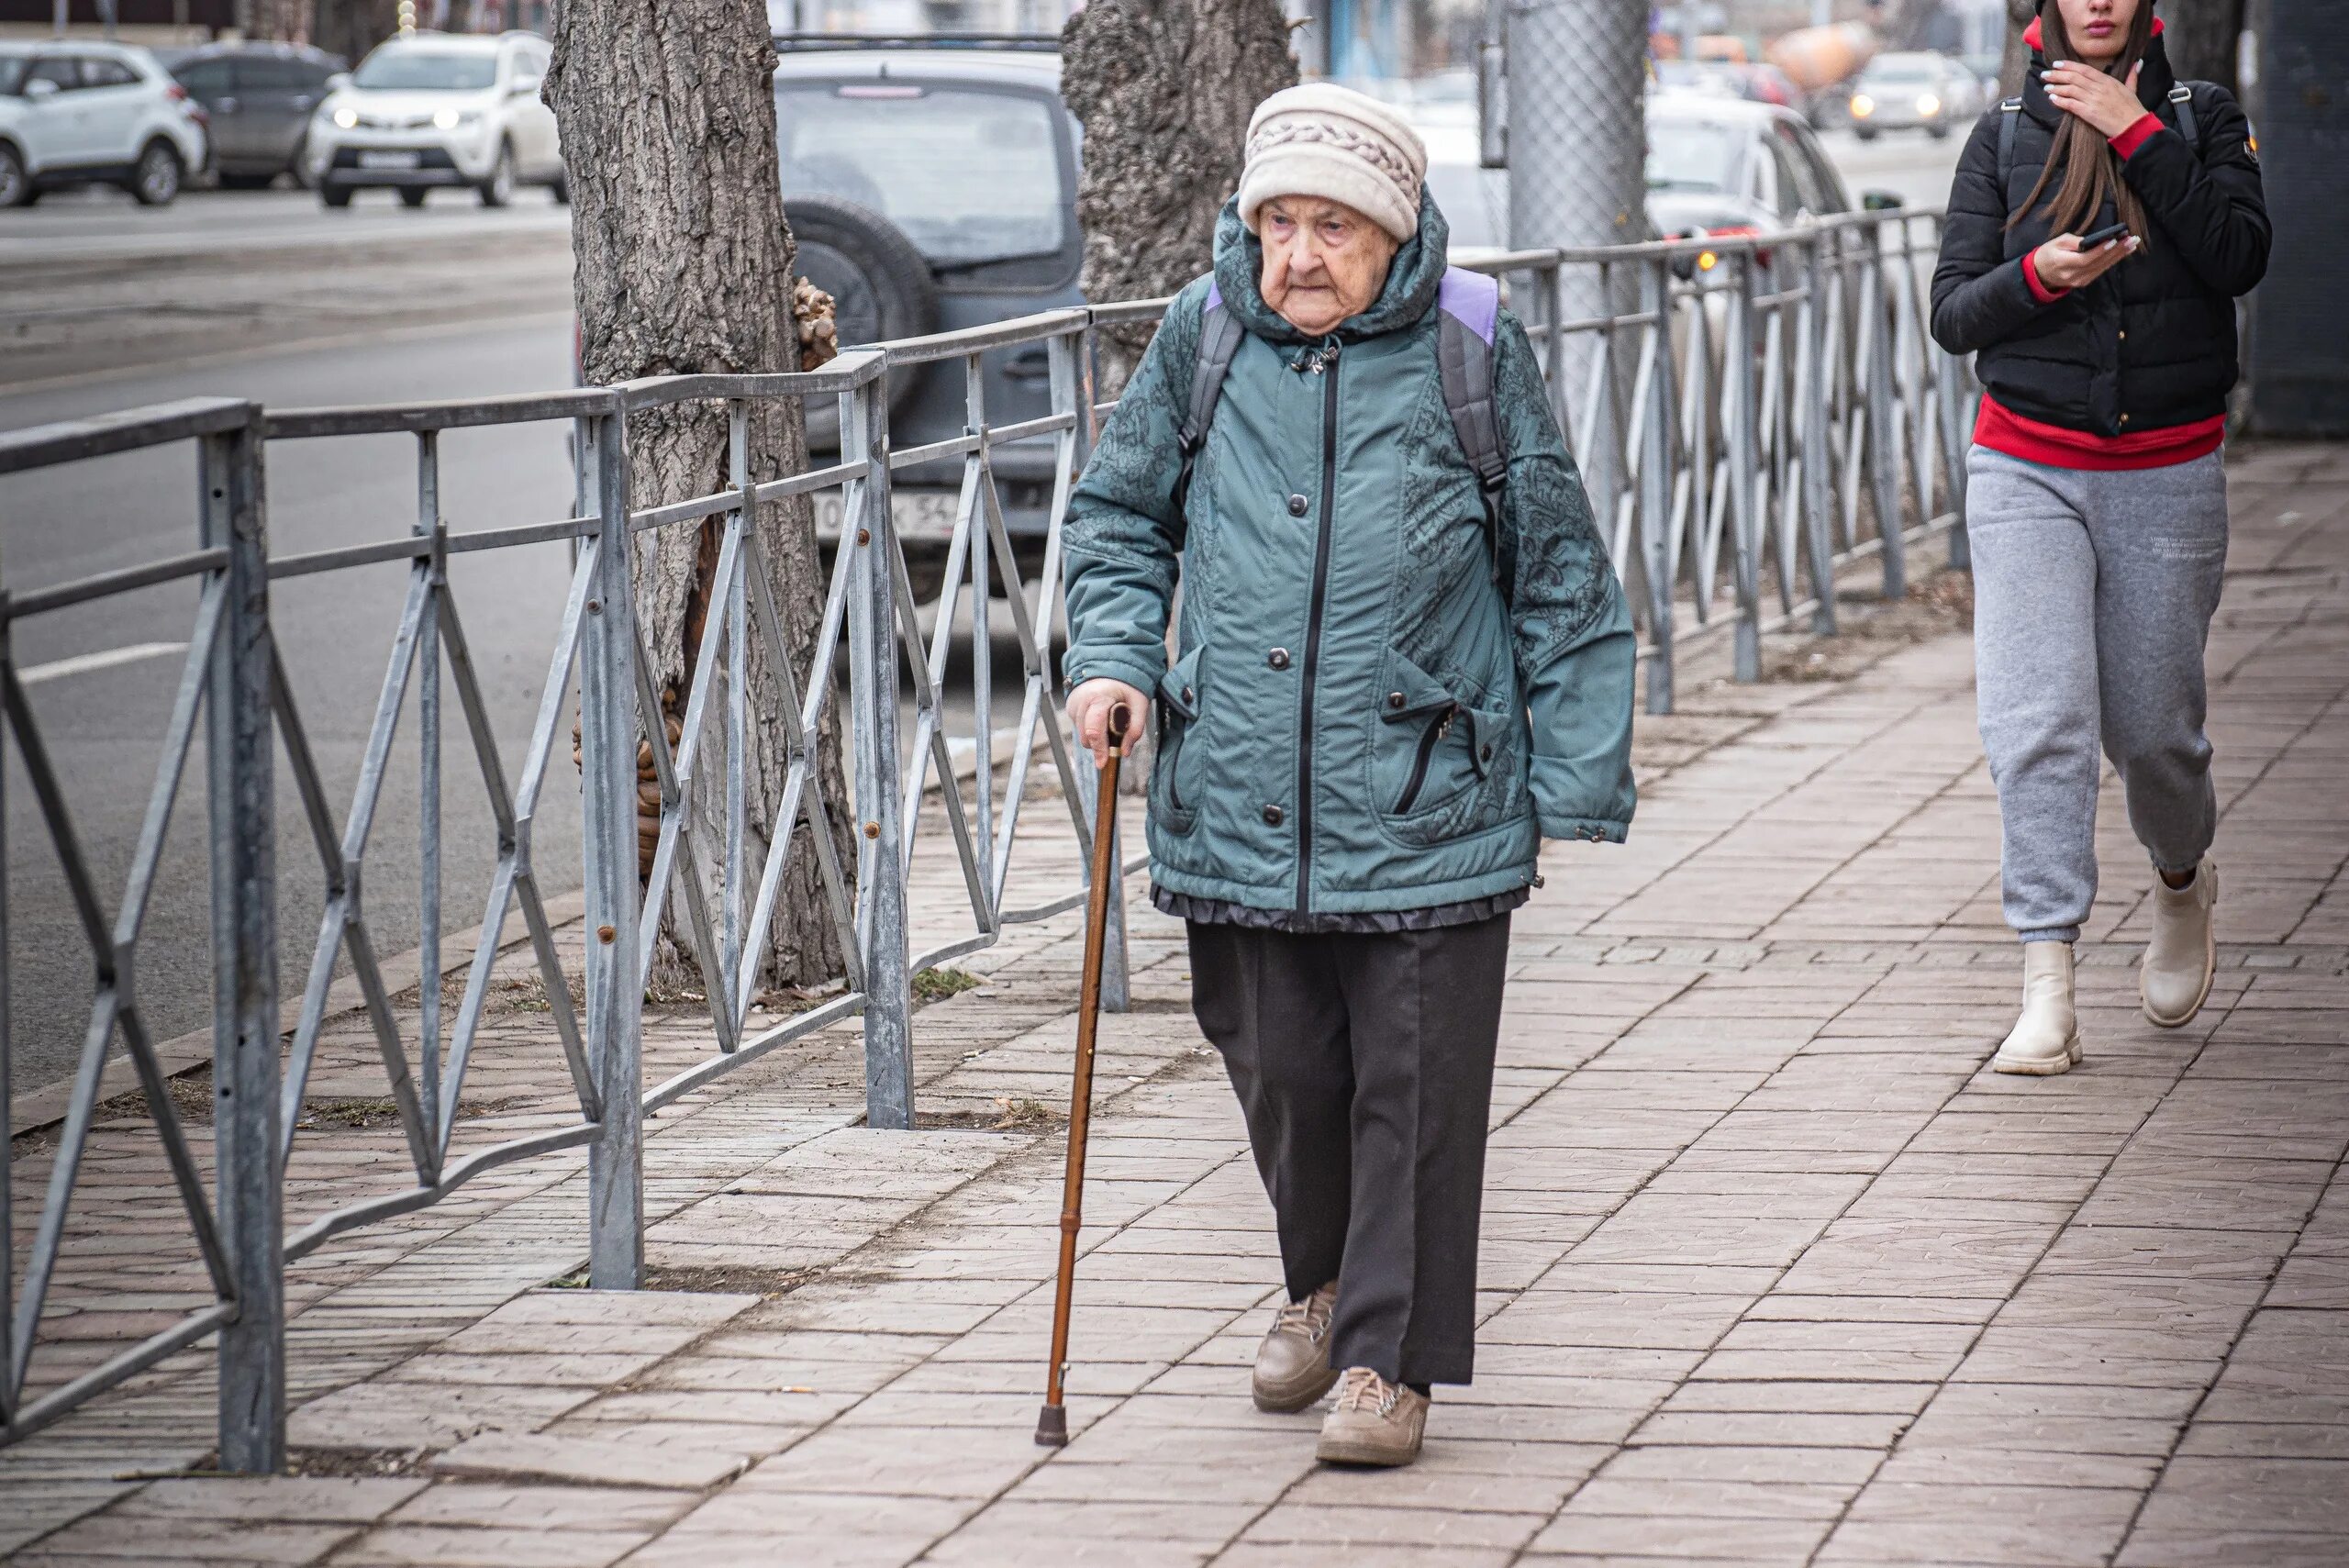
1769, 416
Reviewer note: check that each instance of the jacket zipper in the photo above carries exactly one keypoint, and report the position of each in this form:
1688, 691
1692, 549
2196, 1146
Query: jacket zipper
1437, 728
1325, 364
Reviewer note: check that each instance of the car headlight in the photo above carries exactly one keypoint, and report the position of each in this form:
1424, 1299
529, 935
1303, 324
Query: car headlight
1928, 105
347, 118
1862, 106
454, 119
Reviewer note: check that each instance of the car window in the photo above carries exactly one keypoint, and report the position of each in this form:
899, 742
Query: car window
1690, 155
1819, 169
970, 175
65, 70
266, 75
206, 77
107, 73
428, 71
1796, 174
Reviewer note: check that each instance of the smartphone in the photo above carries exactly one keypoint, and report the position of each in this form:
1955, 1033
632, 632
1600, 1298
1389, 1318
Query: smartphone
2090, 241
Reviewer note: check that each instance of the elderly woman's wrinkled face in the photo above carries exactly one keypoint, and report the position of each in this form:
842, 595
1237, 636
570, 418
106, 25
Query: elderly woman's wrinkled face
1323, 261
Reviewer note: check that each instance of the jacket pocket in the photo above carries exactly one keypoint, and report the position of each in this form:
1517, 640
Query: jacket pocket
1434, 762
1178, 713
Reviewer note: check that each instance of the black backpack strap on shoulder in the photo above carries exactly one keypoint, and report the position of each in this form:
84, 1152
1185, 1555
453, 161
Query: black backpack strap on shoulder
2181, 100
1468, 312
1219, 335
2010, 111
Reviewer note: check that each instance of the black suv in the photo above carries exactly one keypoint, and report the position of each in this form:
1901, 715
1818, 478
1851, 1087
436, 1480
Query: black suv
931, 186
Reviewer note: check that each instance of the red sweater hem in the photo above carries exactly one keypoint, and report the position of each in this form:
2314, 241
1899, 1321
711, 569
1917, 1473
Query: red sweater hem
2033, 440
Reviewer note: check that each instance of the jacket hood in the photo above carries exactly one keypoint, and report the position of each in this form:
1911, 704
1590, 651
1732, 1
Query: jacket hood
1412, 281
2155, 77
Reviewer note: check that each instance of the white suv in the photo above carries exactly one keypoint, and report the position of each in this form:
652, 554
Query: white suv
80, 113
431, 110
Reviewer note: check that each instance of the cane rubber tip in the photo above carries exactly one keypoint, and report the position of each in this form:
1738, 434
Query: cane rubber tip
1051, 1427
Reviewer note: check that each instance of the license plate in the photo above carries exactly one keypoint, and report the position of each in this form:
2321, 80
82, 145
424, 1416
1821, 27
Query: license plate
390, 159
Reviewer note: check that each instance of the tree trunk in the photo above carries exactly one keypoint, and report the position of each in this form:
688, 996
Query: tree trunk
1163, 89
352, 27
2200, 36
684, 266
2017, 57
460, 16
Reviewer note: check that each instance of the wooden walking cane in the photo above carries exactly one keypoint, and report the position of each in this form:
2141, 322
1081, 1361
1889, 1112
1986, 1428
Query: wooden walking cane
1052, 1425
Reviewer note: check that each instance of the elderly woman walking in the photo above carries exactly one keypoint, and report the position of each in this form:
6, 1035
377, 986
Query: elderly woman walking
1403, 662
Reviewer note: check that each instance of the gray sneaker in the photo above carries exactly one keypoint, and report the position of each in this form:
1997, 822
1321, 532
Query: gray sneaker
1293, 1364
1374, 1422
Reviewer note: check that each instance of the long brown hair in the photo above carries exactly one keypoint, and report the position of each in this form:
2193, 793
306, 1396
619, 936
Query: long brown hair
2091, 169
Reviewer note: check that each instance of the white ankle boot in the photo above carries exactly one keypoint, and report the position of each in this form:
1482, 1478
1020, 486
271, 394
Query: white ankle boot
2175, 979
2046, 1040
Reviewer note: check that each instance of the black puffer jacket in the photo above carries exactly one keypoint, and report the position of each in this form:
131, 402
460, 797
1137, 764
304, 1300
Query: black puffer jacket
2151, 343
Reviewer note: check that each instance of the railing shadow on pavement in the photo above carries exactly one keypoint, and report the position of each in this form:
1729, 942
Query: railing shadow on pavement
1762, 411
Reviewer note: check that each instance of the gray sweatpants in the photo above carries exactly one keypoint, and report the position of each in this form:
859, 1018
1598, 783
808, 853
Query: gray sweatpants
2093, 593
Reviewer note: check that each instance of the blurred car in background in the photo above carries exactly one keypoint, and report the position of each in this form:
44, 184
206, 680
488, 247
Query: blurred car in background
83, 113
1727, 166
427, 109
260, 97
1914, 91
930, 189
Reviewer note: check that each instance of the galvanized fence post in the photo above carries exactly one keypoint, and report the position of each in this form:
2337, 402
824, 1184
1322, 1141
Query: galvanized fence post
1117, 993
240, 772
872, 712
1746, 474
1817, 482
607, 728
1655, 478
1877, 306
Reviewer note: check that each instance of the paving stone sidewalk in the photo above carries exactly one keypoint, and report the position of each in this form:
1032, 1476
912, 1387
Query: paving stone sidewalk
1773, 1270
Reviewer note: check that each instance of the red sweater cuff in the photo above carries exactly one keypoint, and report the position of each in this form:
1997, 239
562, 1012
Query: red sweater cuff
2039, 290
2135, 137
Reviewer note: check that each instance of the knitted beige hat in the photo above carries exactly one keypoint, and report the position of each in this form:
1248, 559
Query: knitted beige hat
1333, 142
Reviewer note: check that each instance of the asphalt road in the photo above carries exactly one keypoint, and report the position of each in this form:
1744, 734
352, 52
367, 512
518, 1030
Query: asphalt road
106, 306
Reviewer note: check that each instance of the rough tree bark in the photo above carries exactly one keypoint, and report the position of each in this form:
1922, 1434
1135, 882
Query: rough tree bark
2200, 36
352, 27
1163, 89
2017, 57
685, 266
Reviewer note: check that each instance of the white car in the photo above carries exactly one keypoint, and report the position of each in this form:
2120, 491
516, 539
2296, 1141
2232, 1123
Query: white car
428, 109
75, 113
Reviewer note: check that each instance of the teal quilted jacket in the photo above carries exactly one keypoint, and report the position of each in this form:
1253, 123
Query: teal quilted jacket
1362, 714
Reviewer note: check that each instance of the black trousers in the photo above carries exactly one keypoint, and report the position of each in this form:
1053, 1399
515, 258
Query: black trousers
1364, 1066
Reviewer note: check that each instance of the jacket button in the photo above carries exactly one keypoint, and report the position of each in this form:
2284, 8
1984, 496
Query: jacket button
1278, 658
1486, 754
1394, 699
1297, 505
2124, 418
1189, 695
1274, 816
2124, 334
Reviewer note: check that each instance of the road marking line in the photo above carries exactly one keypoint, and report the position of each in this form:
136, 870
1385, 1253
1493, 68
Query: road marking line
83, 663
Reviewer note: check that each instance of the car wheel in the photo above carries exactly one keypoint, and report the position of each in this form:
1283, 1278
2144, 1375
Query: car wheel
412, 195
16, 185
1863, 135
335, 196
1938, 132
561, 189
881, 286
298, 164
156, 179
498, 189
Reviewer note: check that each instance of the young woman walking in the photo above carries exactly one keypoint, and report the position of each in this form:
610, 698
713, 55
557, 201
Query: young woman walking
2096, 501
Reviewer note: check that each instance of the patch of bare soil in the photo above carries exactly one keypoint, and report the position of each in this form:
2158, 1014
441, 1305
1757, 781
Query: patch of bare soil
1008, 1115
1870, 629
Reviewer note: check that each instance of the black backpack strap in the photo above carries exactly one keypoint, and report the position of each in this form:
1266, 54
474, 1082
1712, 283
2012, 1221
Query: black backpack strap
2010, 111
2181, 100
1219, 335
1468, 312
